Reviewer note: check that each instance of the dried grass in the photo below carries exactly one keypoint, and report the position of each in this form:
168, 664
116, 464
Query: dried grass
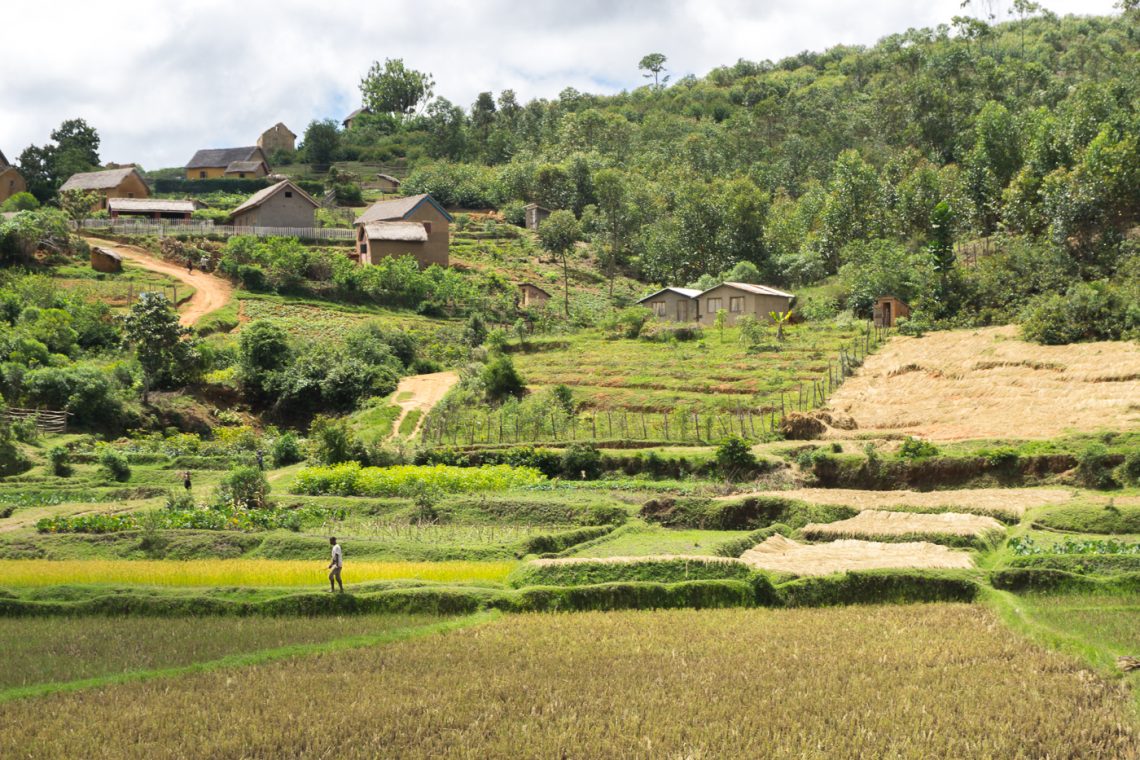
784, 555
874, 522
964, 384
1011, 502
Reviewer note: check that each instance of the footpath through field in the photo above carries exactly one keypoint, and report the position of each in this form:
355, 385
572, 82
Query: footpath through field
210, 292
420, 392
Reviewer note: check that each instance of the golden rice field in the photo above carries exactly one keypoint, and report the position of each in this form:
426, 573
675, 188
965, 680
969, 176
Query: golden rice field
235, 572
918, 681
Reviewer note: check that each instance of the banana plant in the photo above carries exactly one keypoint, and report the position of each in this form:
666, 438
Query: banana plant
780, 317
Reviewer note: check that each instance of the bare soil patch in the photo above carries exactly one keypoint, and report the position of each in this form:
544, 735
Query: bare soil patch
987, 501
784, 555
211, 293
985, 383
421, 392
874, 522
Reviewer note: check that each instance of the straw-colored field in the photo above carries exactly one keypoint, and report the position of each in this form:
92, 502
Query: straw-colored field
1012, 502
985, 383
917, 681
873, 523
234, 572
784, 555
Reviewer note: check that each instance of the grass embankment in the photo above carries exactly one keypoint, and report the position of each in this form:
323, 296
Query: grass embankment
718, 683
235, 572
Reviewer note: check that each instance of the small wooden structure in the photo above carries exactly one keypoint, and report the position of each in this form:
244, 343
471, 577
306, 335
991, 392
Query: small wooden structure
45, 420
888, 309
535, 215
103, 260
387, 183
532, 295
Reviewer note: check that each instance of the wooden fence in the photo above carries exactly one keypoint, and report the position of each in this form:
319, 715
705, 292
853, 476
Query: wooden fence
455, 427
202, 227
46, 420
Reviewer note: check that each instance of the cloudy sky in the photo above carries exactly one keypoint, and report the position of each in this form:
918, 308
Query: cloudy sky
161, 79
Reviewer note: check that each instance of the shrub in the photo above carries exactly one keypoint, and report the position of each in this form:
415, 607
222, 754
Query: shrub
1129, 471
916, 448
734, 458
180, 501
23, 201
582, 460
286, 450
59, 459
501, 380
350, 479
114, 465
627, 323
244, 487
334, 442
1092, 467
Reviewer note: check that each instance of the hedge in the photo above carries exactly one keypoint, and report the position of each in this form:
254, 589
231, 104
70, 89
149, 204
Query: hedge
636, 596
749, 513
1038, 579
585, 573
552, 543
250, 185
1084, 564
878, 587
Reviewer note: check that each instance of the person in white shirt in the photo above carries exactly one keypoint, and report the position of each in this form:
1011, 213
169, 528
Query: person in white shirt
335, 566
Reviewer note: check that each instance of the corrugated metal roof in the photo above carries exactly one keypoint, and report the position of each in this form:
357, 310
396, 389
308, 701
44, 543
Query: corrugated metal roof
397, 208
152, 204
103, 180
261, 196
404, 232
762, 290
686, 292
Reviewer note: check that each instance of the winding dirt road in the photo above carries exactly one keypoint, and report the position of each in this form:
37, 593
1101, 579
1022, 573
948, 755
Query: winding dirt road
210, 293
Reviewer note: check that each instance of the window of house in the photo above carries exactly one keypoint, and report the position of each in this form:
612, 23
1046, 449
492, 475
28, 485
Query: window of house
364, 247
658, 308
202, 175
130, 195
714, 305
427, 227
241, 175
736, 304
288, 193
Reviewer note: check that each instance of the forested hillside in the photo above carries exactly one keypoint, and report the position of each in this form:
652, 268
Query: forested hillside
826, 163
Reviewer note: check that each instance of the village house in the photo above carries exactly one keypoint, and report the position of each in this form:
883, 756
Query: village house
277, 137
124, 182
228, 163
11, 181
351, 118
151, 208
674, 304
532, 295
888, 309
388, 228
103, 260
740, 298
281, 205
387, 183
535, 215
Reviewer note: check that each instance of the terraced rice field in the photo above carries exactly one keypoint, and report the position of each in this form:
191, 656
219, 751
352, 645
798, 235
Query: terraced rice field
783, 555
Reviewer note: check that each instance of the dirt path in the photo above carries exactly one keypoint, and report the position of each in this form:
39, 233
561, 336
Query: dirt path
211, 293
425, 392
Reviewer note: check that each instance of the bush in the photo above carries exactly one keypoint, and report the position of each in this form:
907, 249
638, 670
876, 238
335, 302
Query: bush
244, 487
734, 458
286, 450
334, 442
59, 459
916, 448
1092, 467
1129, 471
501, 380
350, 479
114, 465
582, 461
20, 202
180, 501
627, 323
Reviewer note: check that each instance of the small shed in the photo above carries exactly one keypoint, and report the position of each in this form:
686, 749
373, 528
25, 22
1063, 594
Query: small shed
282, 205
387, 183
535, 215
151, 208
887, 309
532, 295
103, 260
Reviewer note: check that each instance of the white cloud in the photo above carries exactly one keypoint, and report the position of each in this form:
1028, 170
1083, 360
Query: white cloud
159, 80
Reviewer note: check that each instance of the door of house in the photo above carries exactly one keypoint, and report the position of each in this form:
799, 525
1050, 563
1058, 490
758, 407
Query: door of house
682, 311
887, 321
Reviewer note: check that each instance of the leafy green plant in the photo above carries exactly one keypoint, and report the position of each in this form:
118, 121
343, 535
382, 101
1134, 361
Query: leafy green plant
286, 450
734, 458
114, 465
917, 448
59, 458
581, 461
1092, 467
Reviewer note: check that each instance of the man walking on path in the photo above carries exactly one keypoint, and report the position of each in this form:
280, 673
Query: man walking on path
335, 566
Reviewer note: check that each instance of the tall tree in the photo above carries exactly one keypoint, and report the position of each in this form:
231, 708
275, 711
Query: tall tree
321, 142
160, 343
394, 88
654, 65
558, 234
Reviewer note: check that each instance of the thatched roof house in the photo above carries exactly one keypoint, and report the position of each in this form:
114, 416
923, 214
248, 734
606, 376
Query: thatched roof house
376, 241
387, 183
212, 163
125, 182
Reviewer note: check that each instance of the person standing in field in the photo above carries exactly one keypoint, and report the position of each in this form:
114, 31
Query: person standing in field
335, 566
186, 481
